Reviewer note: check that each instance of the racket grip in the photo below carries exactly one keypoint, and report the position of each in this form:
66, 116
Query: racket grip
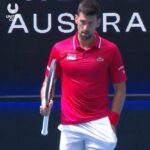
44, 131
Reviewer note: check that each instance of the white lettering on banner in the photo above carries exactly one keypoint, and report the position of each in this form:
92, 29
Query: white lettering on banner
44, 30
135, 16
114, 23
10, 17
139, 24
12, 11
60, 20
14, 24
134, 22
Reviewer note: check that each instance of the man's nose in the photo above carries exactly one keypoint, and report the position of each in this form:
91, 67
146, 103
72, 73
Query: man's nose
85, 27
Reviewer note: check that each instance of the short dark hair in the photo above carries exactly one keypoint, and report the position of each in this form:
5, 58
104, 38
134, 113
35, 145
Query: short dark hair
89, 8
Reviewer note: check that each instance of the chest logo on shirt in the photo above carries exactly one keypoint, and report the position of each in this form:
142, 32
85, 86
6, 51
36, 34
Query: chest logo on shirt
100, 59
71, 57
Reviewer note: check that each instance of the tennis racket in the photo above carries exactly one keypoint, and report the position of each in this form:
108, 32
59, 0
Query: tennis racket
48, 95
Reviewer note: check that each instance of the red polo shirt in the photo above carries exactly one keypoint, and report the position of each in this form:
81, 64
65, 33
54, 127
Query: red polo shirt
85, 77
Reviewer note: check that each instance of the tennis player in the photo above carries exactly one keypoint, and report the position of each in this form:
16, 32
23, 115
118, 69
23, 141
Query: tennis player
86, 63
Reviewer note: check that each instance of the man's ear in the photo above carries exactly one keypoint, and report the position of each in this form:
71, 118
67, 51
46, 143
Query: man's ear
98, 23
76, 18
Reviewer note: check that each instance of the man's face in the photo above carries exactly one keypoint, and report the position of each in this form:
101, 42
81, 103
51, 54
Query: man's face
86, 25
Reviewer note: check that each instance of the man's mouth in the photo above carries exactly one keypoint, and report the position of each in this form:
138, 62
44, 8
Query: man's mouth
85, 33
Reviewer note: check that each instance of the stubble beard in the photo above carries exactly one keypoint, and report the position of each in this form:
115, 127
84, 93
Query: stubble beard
85, 37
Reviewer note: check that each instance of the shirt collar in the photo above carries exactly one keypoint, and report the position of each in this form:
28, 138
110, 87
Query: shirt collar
96, 43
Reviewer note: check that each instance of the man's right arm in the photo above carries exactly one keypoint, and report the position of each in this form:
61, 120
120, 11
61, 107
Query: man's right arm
45, 109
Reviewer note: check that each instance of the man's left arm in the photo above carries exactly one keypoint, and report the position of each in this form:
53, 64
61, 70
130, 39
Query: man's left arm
117, 103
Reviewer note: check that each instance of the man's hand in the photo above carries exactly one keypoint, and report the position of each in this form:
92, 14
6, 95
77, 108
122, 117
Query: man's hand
46, 109
113, 128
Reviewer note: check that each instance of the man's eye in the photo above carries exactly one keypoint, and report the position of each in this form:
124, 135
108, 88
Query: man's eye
90, 23
83, 22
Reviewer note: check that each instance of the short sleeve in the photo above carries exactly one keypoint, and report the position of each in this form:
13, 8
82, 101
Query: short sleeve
53, 55
117, 69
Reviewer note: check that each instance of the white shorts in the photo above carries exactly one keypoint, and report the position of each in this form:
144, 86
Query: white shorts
93, 135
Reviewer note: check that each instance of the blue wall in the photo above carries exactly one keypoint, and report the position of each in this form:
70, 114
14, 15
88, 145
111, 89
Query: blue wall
21, 126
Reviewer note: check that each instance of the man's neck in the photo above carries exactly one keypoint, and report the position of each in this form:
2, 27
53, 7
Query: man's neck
86, 43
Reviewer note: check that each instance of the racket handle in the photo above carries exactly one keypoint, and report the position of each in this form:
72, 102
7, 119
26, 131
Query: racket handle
44, 131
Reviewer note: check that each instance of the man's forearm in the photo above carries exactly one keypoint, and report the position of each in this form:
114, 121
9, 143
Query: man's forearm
119, 97
117, 103
43, 89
